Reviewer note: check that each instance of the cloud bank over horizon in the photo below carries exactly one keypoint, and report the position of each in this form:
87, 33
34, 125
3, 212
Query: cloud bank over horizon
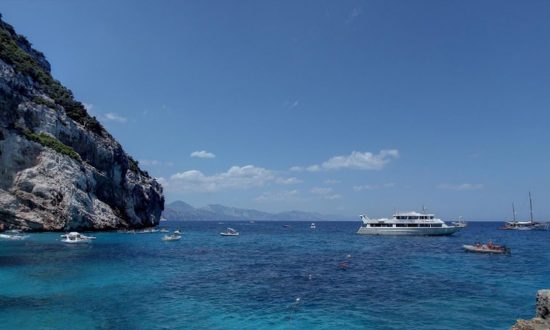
355, 161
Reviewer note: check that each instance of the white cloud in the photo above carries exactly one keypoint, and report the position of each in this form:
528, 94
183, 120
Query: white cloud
288, 181
111, 116
203, 154
291, 104
461, 186
353, 15
321, 190
325, 192
236, 177
154, 162
374, 186
149, 162
356, 160
88, 106
313, 168
278, 196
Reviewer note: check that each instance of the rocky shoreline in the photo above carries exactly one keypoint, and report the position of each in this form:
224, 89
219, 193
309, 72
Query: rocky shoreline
541, 321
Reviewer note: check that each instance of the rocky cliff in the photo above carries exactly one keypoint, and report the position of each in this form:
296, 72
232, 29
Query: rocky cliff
59, 168
542, 317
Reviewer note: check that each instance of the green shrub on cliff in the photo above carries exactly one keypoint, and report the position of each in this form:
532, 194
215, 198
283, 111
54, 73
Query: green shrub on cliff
51, 142
133, 164
43, 101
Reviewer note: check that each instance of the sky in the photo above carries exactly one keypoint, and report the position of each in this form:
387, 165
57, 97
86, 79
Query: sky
339, 107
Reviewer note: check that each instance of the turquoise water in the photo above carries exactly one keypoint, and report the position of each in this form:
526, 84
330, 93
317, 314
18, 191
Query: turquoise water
205, 281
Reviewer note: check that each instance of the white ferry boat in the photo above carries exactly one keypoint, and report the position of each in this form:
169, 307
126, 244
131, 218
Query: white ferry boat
407, 223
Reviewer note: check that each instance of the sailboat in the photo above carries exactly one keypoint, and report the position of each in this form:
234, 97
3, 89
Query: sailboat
525, 225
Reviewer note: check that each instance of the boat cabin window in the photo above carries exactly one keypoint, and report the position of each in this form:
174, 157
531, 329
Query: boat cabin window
412, 225
381, 225
413, 217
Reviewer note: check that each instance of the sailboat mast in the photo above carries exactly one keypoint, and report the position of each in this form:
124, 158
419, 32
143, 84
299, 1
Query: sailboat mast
514, 211
531, 206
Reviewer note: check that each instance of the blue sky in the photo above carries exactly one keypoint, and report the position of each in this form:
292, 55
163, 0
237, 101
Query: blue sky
341, 107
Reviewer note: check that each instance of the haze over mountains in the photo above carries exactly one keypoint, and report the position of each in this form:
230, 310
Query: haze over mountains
180, 211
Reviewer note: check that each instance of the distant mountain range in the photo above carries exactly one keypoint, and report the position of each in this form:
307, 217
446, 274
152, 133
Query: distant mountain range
181, 211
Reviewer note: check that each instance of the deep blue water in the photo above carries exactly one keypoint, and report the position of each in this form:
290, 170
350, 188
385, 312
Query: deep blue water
205, 281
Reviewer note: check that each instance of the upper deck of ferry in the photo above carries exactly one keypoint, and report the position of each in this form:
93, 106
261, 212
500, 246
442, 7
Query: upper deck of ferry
413, 216
405, 217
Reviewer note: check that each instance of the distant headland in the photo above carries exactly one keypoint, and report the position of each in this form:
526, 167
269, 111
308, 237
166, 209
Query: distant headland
181, 211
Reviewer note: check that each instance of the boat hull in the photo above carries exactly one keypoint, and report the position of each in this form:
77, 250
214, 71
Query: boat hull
472, 248
79, 241
404, 231
171, 239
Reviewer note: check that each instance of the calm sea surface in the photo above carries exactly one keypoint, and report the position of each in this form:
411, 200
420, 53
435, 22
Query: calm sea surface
205, 281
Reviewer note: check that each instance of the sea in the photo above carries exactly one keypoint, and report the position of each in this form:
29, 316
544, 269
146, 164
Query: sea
272, 276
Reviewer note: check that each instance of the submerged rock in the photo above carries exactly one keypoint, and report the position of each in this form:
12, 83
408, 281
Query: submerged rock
59, 168
541, 321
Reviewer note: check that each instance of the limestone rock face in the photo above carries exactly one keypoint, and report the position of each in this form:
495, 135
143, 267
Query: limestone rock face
59, 168
541, 321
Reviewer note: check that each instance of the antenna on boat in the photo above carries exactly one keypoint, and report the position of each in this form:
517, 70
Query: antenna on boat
531, 206
514, 211
423, 209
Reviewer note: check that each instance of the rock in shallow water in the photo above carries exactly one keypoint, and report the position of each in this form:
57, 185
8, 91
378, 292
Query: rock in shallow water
59, 168
541, 321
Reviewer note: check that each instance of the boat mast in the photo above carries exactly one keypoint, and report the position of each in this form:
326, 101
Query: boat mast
531, 206
514, 211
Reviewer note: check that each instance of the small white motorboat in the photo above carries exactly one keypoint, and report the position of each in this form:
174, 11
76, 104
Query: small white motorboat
148, 231
80, 235
13, 237
460, 223
13, 231
229, 232
74, 237
177, 232
171, 237
312, 226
